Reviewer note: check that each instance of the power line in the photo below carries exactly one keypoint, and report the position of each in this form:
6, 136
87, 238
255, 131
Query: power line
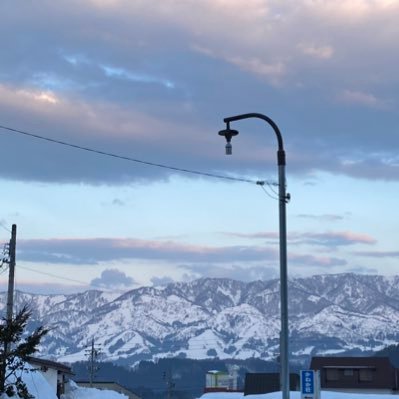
83, 283
52, 275
109, 154
272, 188
4, 226
267, 193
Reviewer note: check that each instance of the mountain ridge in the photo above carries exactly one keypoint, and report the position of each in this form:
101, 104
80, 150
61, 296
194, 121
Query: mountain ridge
220, 317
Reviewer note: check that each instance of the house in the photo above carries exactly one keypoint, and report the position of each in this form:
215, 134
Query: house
260, 383
56, 374
356, 374
221, 381
110, 386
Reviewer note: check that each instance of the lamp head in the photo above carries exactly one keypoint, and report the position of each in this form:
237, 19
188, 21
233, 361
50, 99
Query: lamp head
228, 134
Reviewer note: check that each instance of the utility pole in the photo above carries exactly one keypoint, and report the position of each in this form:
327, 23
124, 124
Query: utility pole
92, 363
92, 353
11, 273
169, 383
10, 300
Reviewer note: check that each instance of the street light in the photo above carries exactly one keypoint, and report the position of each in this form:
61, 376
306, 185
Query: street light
283, 199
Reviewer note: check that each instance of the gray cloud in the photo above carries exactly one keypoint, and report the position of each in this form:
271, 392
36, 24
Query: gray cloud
161, 281
235, 272
333, 239
363, 270
266, 234
49, 288
197, 259
327, 239
136, 79
378, 254
113, 278
315, 261
96, 250
322, 218
118, 202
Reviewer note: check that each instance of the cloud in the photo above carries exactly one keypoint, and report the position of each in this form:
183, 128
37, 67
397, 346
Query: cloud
334, 239
352, 11
315, 261
96, 250
378, 254
322, 218
236, 272
385, 168
326, 239
38, 96
48, 288
147, 79
108, 127
363, 270
321, 52
261, 235
364, 99
161, 281
272, 72
193, 257
113, 278
118, 202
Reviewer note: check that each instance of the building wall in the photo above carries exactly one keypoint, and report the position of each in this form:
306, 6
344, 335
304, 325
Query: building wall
356, 373
354, 390
217, 380
51, 377
54, 373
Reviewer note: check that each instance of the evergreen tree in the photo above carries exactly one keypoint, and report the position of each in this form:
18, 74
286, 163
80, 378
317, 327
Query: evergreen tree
15, 351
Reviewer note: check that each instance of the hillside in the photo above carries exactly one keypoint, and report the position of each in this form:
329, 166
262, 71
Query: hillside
208, 318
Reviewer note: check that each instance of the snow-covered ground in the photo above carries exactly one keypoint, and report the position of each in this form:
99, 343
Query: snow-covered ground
41, 389
295, 395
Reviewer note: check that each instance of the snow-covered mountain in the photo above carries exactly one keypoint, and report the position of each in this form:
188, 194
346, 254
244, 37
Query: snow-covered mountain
220, 317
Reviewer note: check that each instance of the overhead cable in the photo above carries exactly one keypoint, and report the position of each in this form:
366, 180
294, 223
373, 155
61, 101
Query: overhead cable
4, 226
80, 282
109, 154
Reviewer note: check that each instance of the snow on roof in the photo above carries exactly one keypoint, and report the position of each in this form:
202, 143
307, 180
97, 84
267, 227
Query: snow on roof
41, 389
50, 364
91, 393
37, 385
216, 372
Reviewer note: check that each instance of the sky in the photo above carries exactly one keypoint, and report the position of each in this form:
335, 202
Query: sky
152, 80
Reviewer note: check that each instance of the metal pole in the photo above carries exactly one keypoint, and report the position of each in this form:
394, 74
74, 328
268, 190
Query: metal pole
284, 350
285, 375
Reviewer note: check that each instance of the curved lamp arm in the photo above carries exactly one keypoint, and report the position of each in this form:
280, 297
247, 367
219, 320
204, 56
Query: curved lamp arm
280, 152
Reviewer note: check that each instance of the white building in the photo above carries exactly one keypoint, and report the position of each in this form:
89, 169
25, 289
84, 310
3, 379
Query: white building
56, 374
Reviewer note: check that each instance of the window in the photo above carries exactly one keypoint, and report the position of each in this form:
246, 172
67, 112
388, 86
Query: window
366, 375
348, 372
332, 375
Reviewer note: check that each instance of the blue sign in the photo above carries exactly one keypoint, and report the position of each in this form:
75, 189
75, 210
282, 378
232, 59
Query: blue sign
307, 382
